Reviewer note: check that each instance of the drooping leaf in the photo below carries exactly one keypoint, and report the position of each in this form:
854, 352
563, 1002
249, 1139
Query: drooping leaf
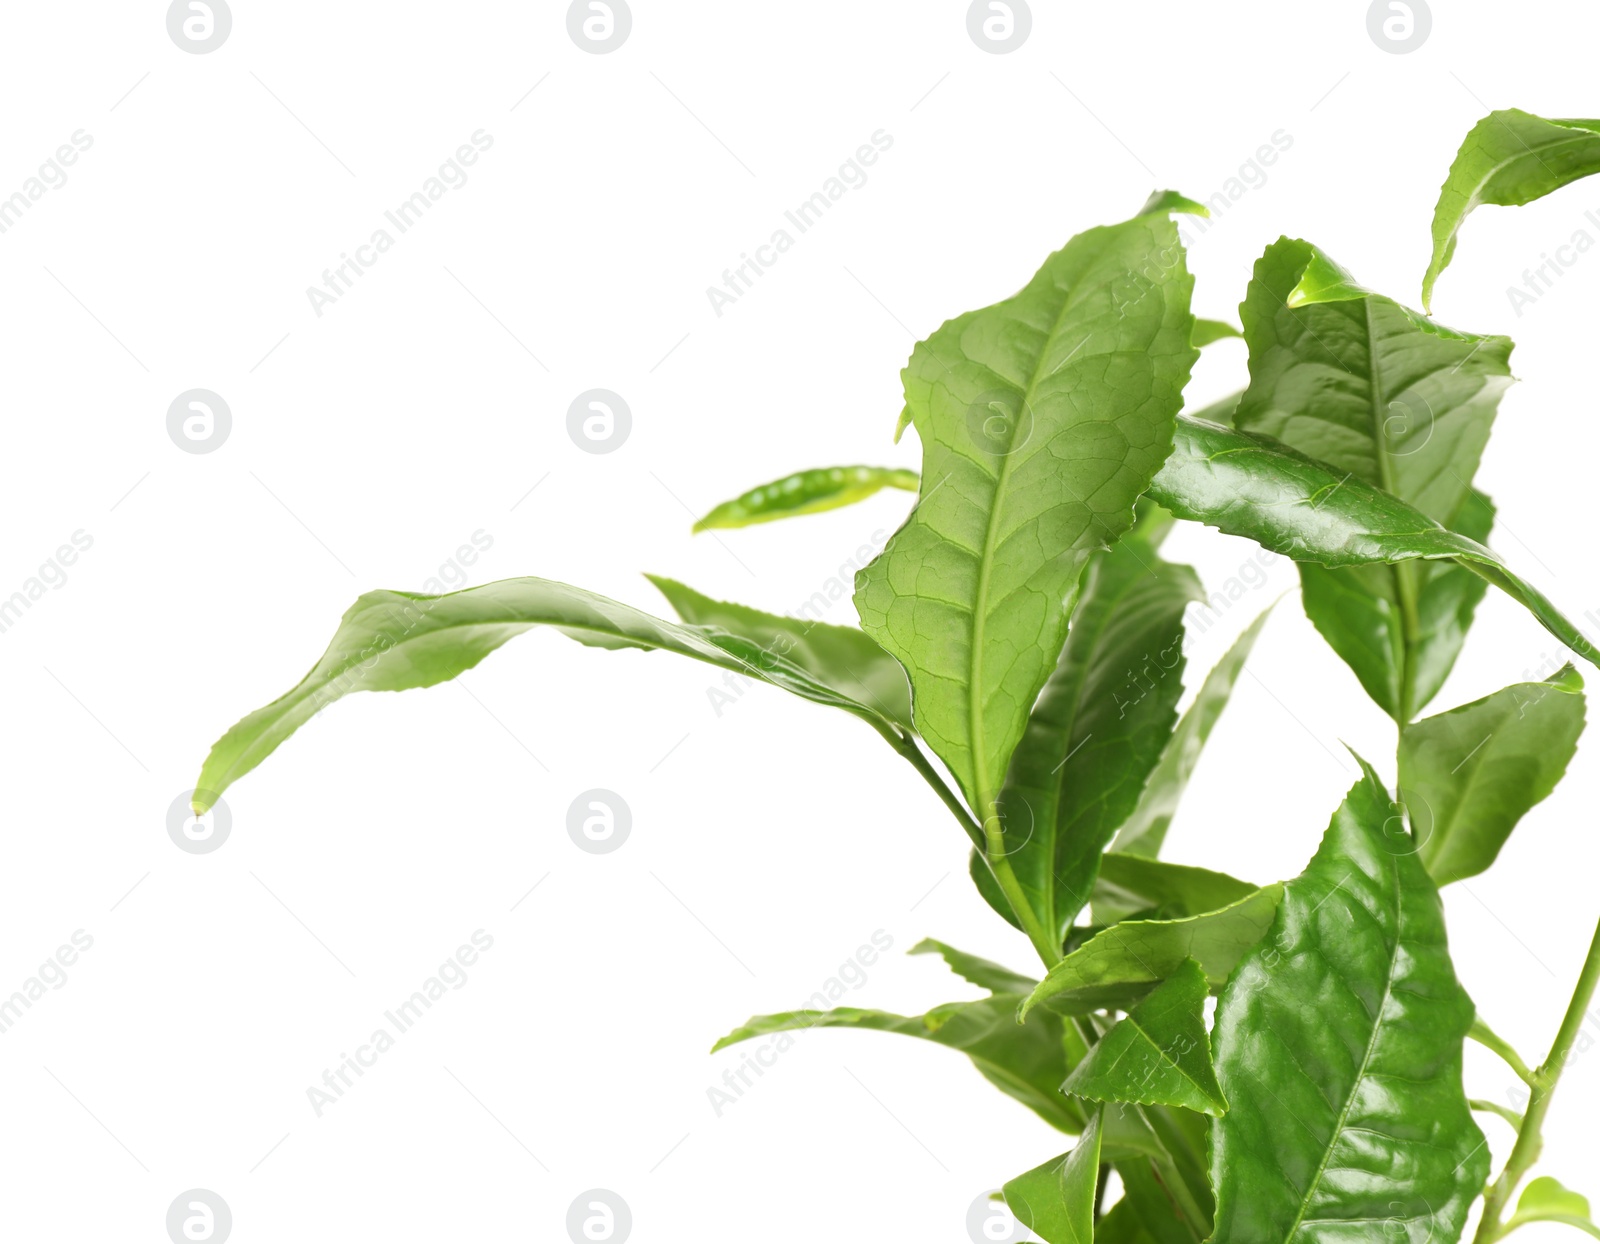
840, 657
1250, 486
1388, 397
1145, 830
1119, 965
392, 641
1042, 420
806, 492
1509, 158
981, 972
1159, 1054
1098, 728
1208, 331
1338, 1043
1468, 776
1026, 1061
1134, 883
1056, 1200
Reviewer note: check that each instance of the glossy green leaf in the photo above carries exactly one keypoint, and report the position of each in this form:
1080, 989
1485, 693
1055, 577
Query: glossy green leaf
393, 641
1249, 486
1056, 1200
1119, 965
1159, 1054
1042, 420
981, 972
1145, 830
1025, 1061
806, 492
1098, 728
1130, 884
1468, 776
1382, 395
1338, 1043
1509, 158
840, 657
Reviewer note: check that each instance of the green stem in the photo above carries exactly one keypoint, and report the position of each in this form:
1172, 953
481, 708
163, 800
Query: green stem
1494, 1107
1530, 1137
1490, 1040
991, 845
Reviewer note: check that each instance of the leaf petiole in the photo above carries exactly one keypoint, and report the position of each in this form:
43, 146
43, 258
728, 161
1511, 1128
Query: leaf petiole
1491, 1040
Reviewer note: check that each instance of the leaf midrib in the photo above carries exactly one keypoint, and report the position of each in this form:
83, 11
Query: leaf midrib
1366, 1059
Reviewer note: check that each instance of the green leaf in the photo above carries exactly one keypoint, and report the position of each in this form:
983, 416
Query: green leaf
1250, 486
1120, 1225
806, 492
1025, 1061
981, 972
1208, 331
983, 877
1338, 1043
1546, 1200
840, 657
1056, 1200
1132, 883
1468, 776
1159, 1055
1118, 966
1097, 730
1509, 158
1145, 830
1160, 1154
1042, 420
392, 641
1382, 395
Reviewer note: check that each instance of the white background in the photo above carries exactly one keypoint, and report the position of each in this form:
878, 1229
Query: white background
768, 843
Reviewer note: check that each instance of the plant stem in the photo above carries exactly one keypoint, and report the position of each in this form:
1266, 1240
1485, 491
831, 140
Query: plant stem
991, 845
1530, 1138
1494, 1107
1490, 1040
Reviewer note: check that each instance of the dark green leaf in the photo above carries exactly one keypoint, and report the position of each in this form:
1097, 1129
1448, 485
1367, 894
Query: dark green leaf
1385, 396
1025, 1061
1251, 486
1145, 830
806, 492
1134, 883
1468, 776
1121, 1225
392, 641
1159, 1054
1509, 158
1098, 728
1338, 1043
1160, 1153
1042, 419
981, 972
1056, 1200
1118, 966
840, 657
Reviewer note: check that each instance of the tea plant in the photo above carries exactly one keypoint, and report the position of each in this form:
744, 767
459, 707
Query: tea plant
1024, 627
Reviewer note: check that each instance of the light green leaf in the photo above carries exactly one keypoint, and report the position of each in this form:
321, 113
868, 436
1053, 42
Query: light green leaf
1509, 158
1042, 420
1338, 1043
1385, 396
1159, 1054
1208, 331
1130, 884
1097, 729
806, 492
1468, 776
1025, 1061
1546, 1200
392, 641
1145, 830
981, 972
1056, 1200
1119, 965
840, 657
1249, 486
